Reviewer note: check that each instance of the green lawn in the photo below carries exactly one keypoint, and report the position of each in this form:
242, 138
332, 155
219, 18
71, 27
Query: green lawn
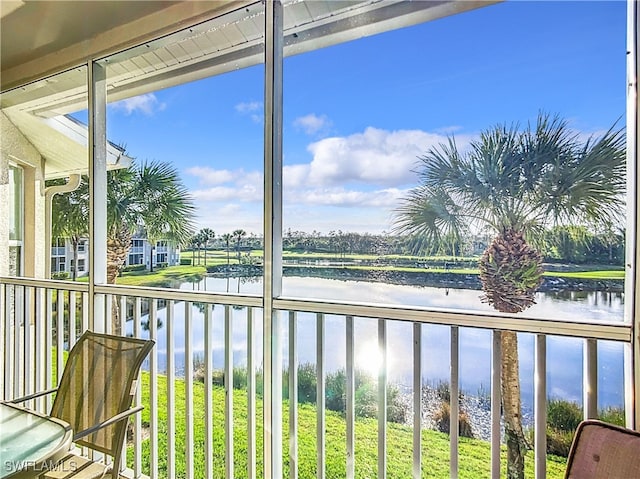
165, 277
474, 454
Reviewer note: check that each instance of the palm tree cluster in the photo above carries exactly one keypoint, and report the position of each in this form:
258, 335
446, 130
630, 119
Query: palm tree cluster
147, 195
201, 241
516, 182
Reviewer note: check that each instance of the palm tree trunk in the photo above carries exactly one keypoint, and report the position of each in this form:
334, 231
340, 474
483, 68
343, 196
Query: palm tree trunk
511, 403
117, 250
74, 270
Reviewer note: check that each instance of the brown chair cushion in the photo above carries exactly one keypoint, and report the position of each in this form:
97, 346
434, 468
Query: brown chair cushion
604, 451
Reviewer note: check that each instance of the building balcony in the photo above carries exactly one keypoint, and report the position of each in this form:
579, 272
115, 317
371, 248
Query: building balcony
196, 423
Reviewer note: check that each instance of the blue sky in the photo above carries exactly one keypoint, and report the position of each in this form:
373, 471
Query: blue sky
357, 115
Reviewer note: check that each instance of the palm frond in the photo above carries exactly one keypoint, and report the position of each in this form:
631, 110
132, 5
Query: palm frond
429, 213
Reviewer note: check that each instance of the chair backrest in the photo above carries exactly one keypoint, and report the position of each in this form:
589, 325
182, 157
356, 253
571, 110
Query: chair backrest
603, 451
98, 382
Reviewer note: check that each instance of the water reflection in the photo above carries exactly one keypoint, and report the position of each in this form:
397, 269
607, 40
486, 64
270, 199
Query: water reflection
564, 354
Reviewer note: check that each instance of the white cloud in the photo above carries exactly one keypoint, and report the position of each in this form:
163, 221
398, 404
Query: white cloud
448, 130
385, 198
227, 185
251, 108
147, 104
248, 107
377, 157
210, 176
312, 124
352, 182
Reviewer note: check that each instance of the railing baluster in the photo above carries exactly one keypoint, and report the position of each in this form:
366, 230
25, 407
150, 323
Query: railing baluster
382, 400
72, 319
137, 445
188, 387
85, 311
417, 400
228, 390
251, 396
320, 396
48, 341
122, 317
3, 344
153, 386
59, 334
108, 314
350, 413
590, 378
293, 396
17, 347
8, 343
454, 402
28, 368
171, 394
496, 400
208, 391
39, 304
540, 406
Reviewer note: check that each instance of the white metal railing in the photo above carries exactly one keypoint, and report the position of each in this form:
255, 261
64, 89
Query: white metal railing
37, 324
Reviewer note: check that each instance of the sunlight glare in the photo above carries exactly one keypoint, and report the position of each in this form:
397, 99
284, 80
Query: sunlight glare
370, 358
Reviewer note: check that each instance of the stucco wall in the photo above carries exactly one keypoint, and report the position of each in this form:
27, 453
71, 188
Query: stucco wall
15, 148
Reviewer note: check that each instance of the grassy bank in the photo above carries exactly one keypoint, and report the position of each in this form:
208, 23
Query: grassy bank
474, 456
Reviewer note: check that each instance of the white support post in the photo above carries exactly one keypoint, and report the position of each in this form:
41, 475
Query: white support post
320, 397
417, 400
97, 83
272, 285
590, 379
228, 392
350, 413
496, 403
382, 400
632, 292
293, 396
251, 395
540, 406
454, 401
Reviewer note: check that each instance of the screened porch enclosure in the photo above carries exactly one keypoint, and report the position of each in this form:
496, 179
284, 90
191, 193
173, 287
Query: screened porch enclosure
224, 390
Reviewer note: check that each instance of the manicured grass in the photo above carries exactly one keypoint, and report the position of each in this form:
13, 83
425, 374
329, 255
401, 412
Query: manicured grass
171, 276
474, 454
604, 274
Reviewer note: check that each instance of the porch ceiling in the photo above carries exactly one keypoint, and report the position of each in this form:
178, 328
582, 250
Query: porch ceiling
39, 38
223, 44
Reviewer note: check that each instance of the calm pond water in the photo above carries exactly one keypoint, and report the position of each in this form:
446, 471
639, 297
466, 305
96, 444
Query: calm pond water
564, 355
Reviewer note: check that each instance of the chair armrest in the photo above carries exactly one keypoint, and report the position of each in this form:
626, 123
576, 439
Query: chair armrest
32, 396
108, 422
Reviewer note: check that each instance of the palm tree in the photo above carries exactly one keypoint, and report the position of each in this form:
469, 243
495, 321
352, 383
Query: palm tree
194, 242
69, 218
517, 183
227, 237
207, 235
148, 195
238, 235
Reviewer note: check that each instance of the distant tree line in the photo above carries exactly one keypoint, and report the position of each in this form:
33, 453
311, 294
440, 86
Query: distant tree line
570, 244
